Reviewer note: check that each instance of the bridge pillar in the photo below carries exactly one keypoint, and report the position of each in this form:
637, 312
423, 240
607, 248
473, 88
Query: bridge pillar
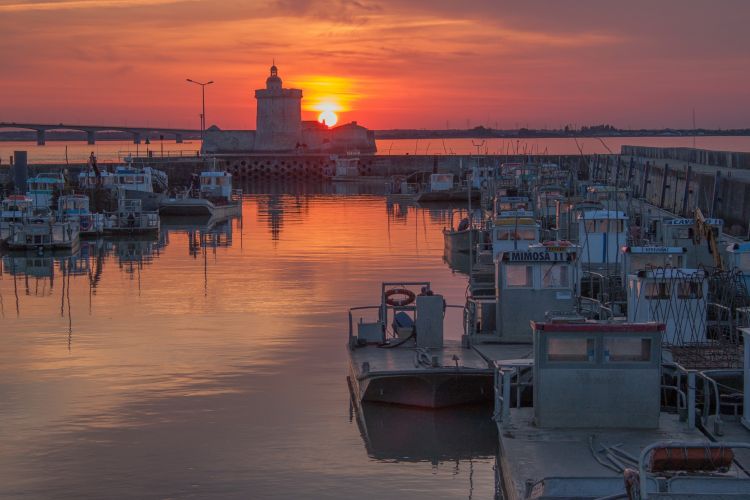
40, 137
178, 138
136, 137
90, 136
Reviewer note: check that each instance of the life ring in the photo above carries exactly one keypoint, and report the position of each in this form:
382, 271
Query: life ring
85, 223
409, 297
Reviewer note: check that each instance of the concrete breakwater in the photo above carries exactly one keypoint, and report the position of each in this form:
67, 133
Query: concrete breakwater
725, 159
250, 167
681, 186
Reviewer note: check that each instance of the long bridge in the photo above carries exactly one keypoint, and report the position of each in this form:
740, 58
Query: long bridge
91, 130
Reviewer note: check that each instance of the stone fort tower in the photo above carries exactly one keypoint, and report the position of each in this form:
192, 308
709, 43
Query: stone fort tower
279, 116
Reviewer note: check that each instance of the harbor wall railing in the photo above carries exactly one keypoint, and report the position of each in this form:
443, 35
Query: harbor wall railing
725, 159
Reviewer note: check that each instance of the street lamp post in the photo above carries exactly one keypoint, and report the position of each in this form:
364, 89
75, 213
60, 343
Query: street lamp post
203, 106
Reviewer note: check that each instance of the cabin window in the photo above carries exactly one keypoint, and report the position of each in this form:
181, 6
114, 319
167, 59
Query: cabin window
626, 349
658, 291
690, 290
555, 276
570, 349
518, 276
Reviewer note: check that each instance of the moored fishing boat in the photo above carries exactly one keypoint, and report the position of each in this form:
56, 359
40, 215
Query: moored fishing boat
75, 208
130, 218
401, 357
42, 233
213, 198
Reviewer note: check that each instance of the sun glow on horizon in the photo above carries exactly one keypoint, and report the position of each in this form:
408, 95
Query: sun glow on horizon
328, 118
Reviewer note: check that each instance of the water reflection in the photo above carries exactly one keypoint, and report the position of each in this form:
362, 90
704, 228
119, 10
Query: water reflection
210, 362
397, 433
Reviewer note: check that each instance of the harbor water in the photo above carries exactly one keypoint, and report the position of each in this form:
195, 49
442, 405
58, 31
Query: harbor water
211, 363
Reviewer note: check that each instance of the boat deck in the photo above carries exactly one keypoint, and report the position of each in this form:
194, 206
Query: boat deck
505, 352
401, 359
452, 375
732, 431
530, 454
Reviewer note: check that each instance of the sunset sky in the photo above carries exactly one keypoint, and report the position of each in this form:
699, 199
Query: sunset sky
384, 63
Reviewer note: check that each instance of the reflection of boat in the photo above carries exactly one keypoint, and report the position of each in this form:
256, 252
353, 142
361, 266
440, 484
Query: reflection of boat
411, 434
401, 357
214, 198
458, 261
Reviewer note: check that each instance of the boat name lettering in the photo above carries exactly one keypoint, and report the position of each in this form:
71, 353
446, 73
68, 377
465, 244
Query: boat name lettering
535, 256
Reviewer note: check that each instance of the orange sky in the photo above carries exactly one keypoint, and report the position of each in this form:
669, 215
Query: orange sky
384, 63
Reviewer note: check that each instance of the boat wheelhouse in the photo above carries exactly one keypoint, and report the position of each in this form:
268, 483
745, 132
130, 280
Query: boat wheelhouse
597, 426
681, 233
739, 258
531, 282
567, 211
75, 208
513, 230
41, 188
641, 258
13, 210
601, 234
677, 298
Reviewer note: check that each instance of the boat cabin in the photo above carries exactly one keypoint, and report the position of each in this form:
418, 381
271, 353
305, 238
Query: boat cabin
441, 182
566, 217
636, 259
597, 375
15, 208
514, 230
134, 179
42, 187
510, 203
216, 185
738, 256
680, 233
530, 282
482, 176
676, 297
601, 234
88, 180
75, 207
546, 203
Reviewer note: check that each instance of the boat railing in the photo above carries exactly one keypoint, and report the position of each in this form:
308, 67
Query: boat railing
706, 449
595, 307
707, 400
351, 318
503, 382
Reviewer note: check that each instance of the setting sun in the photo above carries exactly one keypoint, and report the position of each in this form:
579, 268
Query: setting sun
328, 117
